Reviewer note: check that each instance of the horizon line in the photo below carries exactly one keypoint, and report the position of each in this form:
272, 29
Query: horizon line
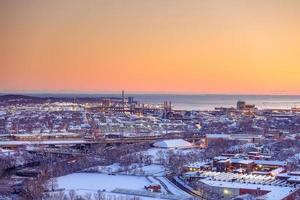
15, 92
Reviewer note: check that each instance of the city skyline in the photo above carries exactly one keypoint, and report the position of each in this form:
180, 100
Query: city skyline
202, 47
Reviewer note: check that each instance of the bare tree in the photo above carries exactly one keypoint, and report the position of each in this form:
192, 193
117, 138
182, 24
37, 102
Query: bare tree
72, 195
52, 184
88, 196
99, 195
160, 157
33, 189
56, 196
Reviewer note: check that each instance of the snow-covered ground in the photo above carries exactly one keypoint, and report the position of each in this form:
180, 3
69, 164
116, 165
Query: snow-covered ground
6, 152
154, 170
134, 169
84, 183
94, 181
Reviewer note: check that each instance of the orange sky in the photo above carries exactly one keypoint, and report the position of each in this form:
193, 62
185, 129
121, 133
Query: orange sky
190, 46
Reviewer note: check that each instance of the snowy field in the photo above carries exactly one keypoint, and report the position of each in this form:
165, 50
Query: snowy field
84, 183
91, 182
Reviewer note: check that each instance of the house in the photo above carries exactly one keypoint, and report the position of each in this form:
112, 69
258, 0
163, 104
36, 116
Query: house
153, 188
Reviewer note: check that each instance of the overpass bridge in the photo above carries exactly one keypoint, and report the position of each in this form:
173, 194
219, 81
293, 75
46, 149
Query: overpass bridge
105, 141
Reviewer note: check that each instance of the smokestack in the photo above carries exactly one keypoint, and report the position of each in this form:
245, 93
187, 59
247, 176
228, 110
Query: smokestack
123, 96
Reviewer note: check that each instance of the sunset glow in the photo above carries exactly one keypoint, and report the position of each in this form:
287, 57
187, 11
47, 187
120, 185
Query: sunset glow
246, 46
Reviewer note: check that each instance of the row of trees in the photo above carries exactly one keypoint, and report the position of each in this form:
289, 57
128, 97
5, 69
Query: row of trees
6, 162
99, 195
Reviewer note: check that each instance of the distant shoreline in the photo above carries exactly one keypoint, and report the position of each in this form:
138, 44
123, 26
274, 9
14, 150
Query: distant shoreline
63, 94
186, 101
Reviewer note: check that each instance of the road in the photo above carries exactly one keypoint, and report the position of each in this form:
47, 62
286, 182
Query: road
182, 187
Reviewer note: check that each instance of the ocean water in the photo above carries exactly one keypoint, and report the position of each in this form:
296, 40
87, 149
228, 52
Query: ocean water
203, 102
209, 102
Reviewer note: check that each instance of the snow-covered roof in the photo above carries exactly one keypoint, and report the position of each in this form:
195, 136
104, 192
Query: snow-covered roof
270, 162
217, 136
277, 171
54, 142
242, 161
260, 173
177, 143
224, 161
275, 192
295, 173
221, 158
294, 179
197, 164
44, 134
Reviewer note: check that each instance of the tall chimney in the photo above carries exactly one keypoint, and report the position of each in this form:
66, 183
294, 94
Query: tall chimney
123, 97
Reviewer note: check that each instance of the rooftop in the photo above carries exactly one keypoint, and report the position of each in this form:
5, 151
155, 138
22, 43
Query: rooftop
177, 143
275, 192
